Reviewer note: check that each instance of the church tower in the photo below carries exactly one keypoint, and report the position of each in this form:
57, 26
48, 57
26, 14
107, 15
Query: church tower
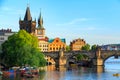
40, 30
40, 33
27, 24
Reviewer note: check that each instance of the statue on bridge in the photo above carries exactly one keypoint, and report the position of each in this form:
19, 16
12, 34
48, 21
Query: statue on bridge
98, 52
61, 53
62, 58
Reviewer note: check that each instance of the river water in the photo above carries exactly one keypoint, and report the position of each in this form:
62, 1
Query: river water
111, 67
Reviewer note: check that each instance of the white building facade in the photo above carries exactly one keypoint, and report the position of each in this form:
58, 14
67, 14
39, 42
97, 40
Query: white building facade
4, 34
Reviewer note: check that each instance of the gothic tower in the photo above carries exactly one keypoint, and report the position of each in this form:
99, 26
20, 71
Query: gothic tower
40, 30
40, 33
27, 24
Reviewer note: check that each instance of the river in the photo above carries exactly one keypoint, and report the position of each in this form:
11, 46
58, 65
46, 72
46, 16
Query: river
111, 67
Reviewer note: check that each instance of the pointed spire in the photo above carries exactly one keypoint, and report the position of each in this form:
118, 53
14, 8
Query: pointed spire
19, 18
27, 14
35, 19
40, 21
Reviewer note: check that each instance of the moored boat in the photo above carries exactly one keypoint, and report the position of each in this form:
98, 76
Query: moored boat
29, 73
116, 74
1, 72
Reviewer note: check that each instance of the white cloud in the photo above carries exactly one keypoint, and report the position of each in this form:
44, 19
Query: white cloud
103, 39
108, 37
78, 25
75, 21
6, 8
88, 28
9, 10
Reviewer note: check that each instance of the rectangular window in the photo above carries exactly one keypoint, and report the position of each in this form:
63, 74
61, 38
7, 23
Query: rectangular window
1, 38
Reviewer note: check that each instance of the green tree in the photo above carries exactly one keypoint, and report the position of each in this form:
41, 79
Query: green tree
94, 47
21, 49
86, 47
67, 48
81, 57
0, 49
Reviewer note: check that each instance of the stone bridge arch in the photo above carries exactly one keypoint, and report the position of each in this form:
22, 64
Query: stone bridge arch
108, 54
51, 57
50, 60
97, 57
59, 57
63, 58
102, 55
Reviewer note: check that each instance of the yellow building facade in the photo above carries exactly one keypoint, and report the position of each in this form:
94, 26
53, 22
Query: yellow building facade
77, 44
56, 44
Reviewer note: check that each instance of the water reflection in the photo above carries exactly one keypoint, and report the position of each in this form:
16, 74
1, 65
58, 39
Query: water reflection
98, 69
73, 73
62, 73
53, 73
51, 68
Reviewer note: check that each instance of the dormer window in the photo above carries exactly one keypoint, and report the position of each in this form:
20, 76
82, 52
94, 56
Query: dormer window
57, 40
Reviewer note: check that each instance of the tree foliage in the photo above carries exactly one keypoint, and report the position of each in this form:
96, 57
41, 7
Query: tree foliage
81, 57
94, 47
67, 48
0, 49
86, 47
21, 49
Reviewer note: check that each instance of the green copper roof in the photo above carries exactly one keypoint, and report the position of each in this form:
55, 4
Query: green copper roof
40, 27
40, 22
51, 40
63, 40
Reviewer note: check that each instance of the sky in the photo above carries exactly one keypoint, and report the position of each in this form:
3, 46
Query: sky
95, 21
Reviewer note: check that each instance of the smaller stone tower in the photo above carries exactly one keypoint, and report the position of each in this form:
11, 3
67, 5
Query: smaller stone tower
40, 30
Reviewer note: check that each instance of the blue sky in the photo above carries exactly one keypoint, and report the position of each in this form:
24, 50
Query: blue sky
96, 21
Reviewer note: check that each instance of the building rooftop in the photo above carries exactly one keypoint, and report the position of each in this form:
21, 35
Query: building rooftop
51, 40
5, 30
112, 45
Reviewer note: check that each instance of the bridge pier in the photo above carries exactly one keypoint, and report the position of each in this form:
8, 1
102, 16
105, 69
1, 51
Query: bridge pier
62, 60
98, 60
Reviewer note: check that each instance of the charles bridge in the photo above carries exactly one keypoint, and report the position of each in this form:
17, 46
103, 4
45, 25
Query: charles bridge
97, 57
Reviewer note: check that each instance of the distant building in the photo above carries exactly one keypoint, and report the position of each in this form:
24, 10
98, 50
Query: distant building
4, 34
56, 44
110, 47
77, 44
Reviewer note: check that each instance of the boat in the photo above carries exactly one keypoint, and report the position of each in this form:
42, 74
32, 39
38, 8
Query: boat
9, 73
1, 72
116, 74
29, 73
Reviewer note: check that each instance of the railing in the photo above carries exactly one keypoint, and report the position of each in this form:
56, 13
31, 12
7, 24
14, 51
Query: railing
104, 53
113, 62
